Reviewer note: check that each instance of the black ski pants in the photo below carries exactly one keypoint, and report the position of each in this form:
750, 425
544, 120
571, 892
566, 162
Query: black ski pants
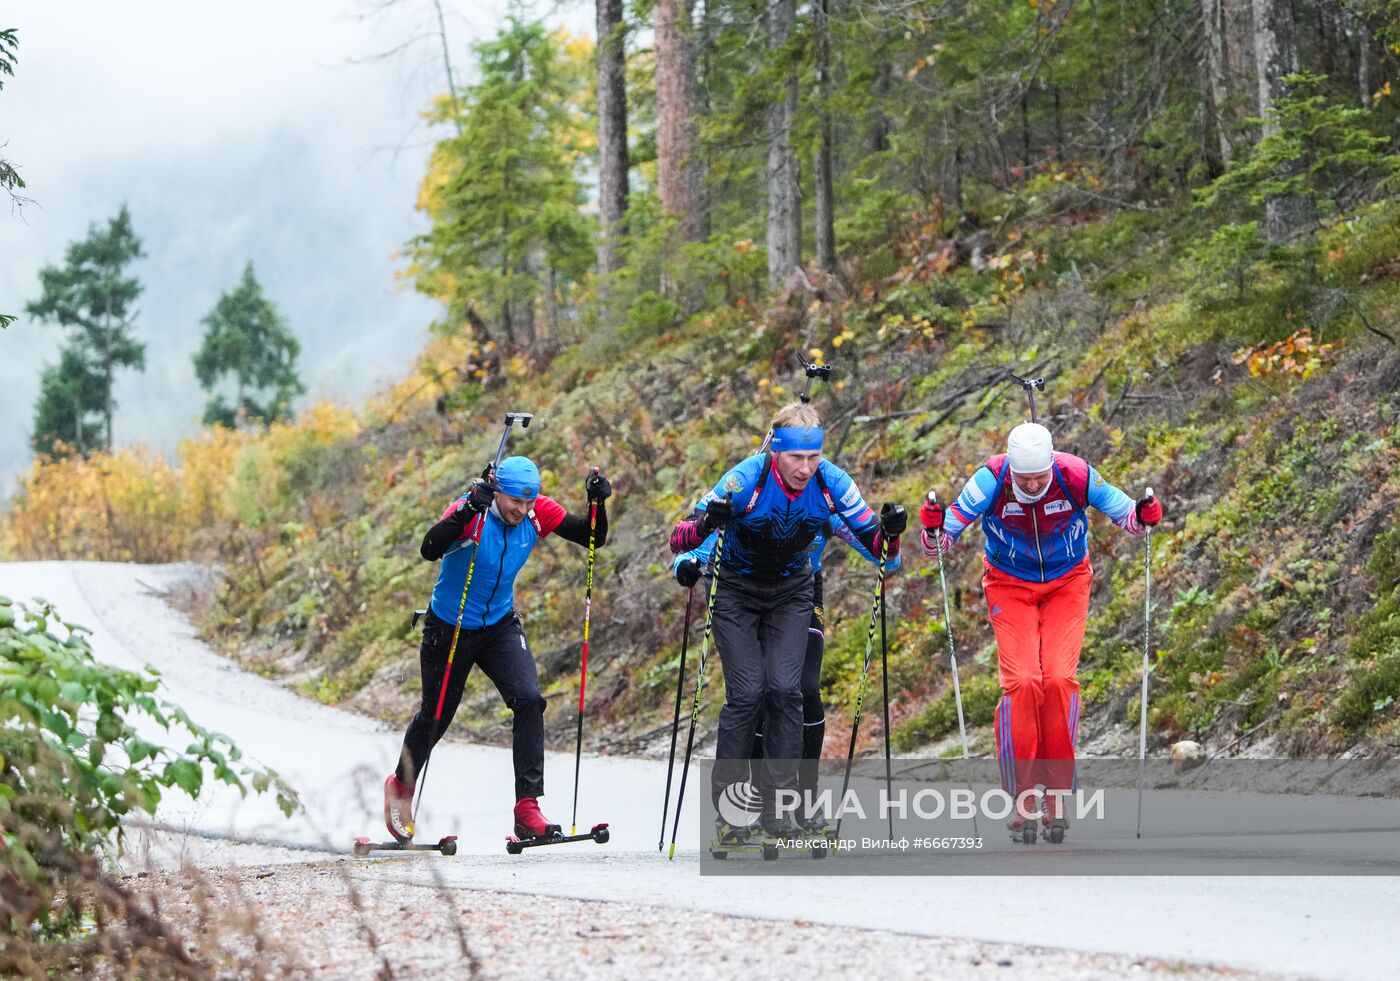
506, 659
760, 633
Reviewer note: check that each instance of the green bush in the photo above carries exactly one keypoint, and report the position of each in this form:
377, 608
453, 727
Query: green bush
72, 765
980, 696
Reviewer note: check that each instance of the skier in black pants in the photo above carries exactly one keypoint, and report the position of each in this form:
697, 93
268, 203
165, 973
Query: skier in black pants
688, 569
513, 516
772, 506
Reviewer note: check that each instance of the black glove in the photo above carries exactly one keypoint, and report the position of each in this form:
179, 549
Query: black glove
596, 486
719, 513
479, 498
893, 520
688, 572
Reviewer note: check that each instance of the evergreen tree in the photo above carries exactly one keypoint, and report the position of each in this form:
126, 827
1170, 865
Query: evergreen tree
246, 338
93, 300
68, 414
508, 226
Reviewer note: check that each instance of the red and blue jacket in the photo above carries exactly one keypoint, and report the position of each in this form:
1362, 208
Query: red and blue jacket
1041, 541
500, 556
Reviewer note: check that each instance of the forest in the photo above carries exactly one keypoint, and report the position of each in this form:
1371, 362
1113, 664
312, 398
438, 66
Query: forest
1180, 214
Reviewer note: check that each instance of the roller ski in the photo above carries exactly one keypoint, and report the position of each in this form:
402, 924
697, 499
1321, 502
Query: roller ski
532, 830
443, 846
733, 839
1053, 824
398, 819
1023, 829
1053, 830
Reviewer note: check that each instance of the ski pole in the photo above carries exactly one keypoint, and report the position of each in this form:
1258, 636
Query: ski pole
864, 671
699, 684
583, 666
1030, 385
524, 418
1146, 642
952, 652
676, 722
885, 682
813, 371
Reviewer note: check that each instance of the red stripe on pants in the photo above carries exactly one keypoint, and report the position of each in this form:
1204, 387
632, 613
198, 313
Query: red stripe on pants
1040, 631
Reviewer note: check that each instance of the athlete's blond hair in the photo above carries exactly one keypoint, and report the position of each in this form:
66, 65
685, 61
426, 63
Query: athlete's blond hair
801, 415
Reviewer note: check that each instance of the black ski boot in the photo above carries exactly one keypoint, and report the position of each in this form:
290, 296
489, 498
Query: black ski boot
731, 838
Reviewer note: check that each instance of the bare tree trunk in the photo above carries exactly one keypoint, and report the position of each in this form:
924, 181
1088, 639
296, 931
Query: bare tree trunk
1365, 57
612, 135
1276, 58
877, 138
784, 219
680, 179
825, 191
1230, 68
1026, 132
447, 66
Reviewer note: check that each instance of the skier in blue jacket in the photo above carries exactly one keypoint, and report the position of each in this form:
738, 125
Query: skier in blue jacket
513, 516
688, 568
771, 507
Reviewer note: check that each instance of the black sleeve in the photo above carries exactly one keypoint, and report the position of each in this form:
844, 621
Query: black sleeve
574, 527
441, 536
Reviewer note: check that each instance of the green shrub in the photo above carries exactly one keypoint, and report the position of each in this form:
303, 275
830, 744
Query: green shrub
72, 765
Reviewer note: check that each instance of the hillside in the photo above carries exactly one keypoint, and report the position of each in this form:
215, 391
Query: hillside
1274, 578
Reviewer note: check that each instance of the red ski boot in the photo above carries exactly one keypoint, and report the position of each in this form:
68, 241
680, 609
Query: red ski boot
398, 808
530, 823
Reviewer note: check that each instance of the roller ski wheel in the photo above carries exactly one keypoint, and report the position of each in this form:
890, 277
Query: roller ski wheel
1054, 830
443, 846
1022, 831
770, 851
598, 833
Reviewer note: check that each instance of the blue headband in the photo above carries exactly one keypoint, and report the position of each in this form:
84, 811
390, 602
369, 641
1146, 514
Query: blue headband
519, 477
798, 438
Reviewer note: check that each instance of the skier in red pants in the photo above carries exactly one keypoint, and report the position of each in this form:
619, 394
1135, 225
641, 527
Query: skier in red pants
1033, 503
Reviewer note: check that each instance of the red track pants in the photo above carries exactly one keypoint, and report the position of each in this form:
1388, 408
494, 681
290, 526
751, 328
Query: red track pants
1040, 630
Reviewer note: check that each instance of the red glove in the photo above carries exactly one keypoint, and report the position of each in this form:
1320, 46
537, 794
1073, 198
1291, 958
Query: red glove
1149, 510
931, 514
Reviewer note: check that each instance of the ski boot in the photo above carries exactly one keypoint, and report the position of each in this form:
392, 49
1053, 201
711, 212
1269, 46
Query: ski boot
820, 832
530, 824
398, 808
775, 830
731, 838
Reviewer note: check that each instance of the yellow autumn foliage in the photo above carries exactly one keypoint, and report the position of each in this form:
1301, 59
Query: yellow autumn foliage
135, 505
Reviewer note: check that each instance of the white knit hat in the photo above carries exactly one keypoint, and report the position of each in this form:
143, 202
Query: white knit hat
1029, 448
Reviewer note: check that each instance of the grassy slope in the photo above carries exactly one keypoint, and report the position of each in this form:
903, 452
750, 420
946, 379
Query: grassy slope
1277, 612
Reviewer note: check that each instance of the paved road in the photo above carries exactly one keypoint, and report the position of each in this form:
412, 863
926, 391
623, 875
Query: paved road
1334, 927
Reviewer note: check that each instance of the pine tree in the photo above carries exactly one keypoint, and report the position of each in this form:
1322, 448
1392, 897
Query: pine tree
68, 416
93, 300
508, 225
246, 338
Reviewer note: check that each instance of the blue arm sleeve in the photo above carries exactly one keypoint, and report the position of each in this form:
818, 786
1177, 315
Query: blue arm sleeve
1117, 506
838, 529
971, 504
739, 481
